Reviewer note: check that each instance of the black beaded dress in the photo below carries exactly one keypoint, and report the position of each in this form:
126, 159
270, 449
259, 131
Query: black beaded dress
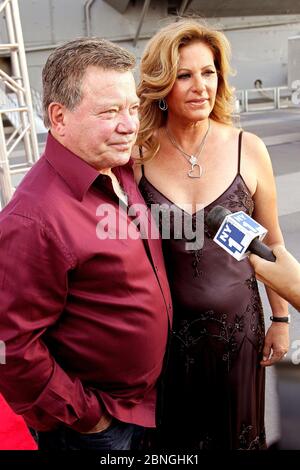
213, 386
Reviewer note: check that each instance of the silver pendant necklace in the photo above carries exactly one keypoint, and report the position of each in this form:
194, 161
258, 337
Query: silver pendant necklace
197, 170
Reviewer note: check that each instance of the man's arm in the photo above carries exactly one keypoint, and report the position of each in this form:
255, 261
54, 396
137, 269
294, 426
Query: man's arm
283, 276
34, 268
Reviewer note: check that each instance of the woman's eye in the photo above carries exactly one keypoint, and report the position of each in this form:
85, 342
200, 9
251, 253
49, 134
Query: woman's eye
209, 72
183, 76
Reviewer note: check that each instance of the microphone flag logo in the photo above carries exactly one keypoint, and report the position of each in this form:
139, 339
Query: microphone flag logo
236, 233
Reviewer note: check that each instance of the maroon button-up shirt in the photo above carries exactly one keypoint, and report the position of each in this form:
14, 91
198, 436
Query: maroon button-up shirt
84, 319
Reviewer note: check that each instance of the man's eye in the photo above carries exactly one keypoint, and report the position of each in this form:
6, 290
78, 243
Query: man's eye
109, 113
134, 109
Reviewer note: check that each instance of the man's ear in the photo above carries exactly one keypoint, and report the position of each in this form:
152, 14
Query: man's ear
56, 112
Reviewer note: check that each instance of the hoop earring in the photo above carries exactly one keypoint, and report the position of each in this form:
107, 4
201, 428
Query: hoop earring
163, 105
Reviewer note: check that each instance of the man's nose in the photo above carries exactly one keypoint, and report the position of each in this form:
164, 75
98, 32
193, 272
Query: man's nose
128, 123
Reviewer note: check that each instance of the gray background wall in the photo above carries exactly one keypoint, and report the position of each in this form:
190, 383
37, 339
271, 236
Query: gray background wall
258, 31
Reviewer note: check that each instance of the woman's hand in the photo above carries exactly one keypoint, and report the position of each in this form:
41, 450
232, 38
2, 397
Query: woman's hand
276, 343
283, 276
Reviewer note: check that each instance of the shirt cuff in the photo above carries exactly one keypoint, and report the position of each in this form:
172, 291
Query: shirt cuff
92, 417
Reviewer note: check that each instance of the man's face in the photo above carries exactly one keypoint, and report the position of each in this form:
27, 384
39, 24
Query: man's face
102, 129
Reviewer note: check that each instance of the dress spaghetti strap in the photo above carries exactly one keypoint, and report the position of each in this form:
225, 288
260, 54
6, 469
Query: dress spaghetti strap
239, 152
141, 157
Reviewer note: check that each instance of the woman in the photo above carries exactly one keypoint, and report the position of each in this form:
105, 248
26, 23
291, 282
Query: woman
192, 156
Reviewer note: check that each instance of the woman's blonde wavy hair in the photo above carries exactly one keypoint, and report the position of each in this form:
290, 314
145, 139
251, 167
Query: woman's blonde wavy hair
159, 71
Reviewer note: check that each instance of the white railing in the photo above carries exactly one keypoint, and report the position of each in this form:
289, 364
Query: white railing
263, 99
37, 103
10, 100
7, 102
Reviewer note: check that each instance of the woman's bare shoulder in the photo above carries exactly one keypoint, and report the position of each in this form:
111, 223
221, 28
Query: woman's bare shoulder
253, 142
252, 145
255, 149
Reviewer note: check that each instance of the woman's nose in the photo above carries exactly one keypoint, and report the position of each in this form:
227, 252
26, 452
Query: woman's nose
199, 83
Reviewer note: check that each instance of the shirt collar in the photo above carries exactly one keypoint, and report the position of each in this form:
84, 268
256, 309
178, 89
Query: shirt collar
76, 172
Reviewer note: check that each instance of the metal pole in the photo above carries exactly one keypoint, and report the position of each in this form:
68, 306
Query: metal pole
24, 71
278, 98
17, 75
246, 101
87, 9
7, 188
275, 95
243, 100
183, 6
3, 5
142, 17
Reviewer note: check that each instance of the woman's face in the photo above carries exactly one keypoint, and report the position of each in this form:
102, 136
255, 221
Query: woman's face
193, 95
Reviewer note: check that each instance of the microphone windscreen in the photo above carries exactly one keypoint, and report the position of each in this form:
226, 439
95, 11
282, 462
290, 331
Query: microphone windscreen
214, 220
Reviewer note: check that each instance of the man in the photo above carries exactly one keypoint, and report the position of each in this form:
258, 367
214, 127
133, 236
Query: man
84, 317
283, 276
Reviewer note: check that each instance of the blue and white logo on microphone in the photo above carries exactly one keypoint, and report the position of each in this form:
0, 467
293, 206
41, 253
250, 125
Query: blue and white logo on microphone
237, 232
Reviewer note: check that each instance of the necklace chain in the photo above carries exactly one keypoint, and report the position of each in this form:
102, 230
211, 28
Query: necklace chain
191, 158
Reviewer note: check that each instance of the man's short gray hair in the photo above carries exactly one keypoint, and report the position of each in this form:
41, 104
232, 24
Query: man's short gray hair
67, 64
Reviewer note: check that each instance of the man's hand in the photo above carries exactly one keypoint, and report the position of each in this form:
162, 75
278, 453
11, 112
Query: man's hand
283, 276
102, 425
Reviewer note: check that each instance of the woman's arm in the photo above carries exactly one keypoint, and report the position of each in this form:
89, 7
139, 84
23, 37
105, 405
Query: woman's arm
265, 212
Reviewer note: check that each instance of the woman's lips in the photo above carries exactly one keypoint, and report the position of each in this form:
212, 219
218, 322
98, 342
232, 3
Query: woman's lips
198, 102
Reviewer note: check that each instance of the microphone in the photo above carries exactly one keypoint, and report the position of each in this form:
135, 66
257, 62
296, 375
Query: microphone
238, 234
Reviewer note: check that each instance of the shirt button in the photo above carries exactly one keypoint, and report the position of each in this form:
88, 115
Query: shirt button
170, 306
156, 268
